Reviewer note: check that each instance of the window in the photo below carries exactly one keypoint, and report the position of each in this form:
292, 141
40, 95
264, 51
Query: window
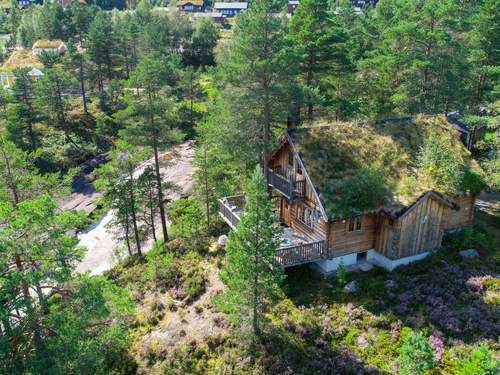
299, 169
306, 216
354, 224
290, 158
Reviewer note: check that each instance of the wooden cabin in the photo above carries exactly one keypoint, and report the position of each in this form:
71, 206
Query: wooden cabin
400, 230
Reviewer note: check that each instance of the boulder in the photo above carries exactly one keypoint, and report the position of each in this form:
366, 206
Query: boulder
469, 253
351, 287
222, 241
365, 266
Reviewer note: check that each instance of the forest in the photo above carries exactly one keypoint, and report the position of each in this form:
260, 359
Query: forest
138, 79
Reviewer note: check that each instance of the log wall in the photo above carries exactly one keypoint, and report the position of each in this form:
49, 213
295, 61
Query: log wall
341, 241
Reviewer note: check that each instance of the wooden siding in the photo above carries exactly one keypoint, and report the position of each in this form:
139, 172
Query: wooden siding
341, 241
421, 228
280, 161
463, 216
317, 233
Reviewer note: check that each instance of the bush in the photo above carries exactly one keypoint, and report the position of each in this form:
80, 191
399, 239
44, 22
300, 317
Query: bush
188, 222
479, 362
341, 274
365, 189
416, 356
193, 277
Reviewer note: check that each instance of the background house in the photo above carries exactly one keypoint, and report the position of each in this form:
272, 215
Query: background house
190, 5
23, 58
230, 9
50, 46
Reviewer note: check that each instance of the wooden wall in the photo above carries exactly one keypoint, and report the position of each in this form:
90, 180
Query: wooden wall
317, 233
341, 241
465, 214
280, 159
420, 227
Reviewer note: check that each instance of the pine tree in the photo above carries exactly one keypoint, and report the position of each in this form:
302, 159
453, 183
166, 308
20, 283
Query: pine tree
151, 113
252, 274
259, 72
52, 91
22, 116
119, 182
322, 43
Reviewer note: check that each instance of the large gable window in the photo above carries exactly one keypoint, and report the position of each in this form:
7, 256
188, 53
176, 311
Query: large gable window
306, 216
354, 224
290, 158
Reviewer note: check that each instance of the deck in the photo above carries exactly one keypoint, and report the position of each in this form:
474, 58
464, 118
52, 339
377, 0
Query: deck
296, 248
285, 186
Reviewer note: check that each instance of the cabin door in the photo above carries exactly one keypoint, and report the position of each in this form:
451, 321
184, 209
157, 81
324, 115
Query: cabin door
285, 210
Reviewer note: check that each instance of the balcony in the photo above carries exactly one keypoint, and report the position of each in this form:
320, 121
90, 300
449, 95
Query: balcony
288, 187
296, 247
231, 208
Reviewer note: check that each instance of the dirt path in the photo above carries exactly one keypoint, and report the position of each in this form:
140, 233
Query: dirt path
101, 240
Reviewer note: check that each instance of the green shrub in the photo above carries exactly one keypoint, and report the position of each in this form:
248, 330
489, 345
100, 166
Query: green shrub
416, 355
341, 274
366, 188
188, 219
479, 362
193, 276
161, 269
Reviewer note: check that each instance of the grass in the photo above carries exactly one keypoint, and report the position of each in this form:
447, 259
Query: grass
342, 153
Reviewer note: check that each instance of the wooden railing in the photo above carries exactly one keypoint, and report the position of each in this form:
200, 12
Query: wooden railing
229, 209
299, 254
291, 189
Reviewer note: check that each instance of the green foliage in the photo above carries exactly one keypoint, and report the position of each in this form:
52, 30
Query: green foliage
480, 361
91, 327
188, 219
444, 165
364, 189
417, 355
251, 273
341, 274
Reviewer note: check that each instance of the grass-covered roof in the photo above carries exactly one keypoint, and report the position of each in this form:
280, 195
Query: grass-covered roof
22, 58
360, 167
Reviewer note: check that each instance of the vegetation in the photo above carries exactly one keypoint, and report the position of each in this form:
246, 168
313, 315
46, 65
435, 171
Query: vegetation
417, 355
252, 274
136, 80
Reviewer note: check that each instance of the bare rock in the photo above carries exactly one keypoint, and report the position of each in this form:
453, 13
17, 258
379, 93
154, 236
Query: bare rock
351, 287
469, 253
222, 241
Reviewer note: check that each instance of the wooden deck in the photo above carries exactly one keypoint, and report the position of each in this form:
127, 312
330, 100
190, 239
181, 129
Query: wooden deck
289, 188
300, 254
230, 210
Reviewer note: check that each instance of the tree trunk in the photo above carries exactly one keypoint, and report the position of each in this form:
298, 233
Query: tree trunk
160, 191
127, 239
207, 194
265, 149
82, 88
133, 208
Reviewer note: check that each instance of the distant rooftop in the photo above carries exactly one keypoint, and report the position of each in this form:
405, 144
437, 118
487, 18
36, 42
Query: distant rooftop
231, 5
47, 43
22, 58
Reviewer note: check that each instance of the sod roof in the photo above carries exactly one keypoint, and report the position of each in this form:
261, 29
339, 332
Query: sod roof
22, 58
47, 43
337, 152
